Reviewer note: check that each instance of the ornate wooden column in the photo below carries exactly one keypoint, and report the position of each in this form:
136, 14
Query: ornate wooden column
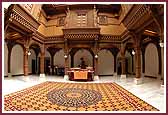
138, 78
10, 46
42, 74
138, 61
96, 77
115, 64
52, 64
161, 44
123, 62
26, 50
66, 60
26, 68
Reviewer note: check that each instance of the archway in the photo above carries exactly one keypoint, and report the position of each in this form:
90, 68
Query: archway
128, 62
31, 62
47, 62
151, 61
17, 60
86, 55
59, 62
105, 62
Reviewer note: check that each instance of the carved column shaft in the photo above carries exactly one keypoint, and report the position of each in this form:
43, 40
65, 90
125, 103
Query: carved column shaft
96, 59
9, 57
138, 61
52, 64
42, 62
123, 60
66, 58
42, 59
26, 68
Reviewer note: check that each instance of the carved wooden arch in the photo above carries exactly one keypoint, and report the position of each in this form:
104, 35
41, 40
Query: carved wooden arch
60, 46
108, 49
16, 43
33, 42
37, 44
128, 44
77, 49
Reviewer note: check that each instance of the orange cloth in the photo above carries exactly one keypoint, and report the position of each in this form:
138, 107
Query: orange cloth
80, 74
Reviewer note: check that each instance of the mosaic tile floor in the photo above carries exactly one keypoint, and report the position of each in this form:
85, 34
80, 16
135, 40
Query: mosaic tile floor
57, 96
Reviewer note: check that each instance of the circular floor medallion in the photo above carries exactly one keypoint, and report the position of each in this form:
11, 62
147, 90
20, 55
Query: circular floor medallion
74, 97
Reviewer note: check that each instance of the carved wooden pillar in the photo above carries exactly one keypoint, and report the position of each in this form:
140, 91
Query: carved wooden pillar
115, 57
42, 74
123, 62
42, 63
10, 46
95, 16
96, 58
66, 58
72, 60
52, 64
138, 61
26, 68
162, 56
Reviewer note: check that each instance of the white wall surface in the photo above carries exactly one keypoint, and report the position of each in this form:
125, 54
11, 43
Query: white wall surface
87, 56
17, 60
151, 60
105, 63
5, 60
129, 58
59, 58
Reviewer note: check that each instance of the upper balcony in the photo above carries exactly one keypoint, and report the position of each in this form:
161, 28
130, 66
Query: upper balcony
21, 19
81, 33
136, 16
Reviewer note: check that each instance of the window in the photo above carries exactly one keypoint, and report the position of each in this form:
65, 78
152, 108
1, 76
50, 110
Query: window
81, 19
28, 7
102, 19
61, 21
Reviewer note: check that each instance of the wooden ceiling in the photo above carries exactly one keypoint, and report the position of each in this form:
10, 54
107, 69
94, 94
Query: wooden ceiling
54, 9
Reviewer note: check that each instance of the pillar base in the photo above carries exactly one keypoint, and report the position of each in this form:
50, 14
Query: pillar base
42, 75
162, 86
123, 77
115, 74
66, 77
138, 81
96, 78
9, 75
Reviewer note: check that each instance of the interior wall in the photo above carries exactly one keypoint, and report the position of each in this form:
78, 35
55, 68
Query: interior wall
30, 58
87, 56
129, 59
5, 60
151, 60
17, 60
47, 54
105, 63
112, 29
59, 58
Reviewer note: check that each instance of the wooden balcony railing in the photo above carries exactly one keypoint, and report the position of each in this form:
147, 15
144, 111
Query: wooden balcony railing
19, 17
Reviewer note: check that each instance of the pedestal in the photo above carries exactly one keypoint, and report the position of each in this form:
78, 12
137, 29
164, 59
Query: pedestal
66, 77
138, 81
123, 76
9, 75
96, 78
115, 74
42, 75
